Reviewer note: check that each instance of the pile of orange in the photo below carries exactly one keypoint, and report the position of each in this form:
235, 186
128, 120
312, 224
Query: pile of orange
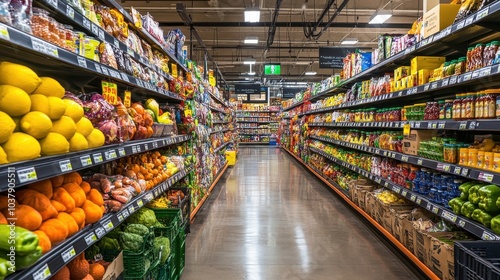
149, 166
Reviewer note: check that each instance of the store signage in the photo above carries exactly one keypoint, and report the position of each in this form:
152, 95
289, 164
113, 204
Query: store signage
247, 89
289, 92
332, 57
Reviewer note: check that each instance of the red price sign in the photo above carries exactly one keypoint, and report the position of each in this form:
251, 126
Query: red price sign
110, 92
127, 98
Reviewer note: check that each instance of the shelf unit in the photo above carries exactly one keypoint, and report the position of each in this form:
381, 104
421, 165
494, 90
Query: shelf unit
467, 125
265, 125
202, 201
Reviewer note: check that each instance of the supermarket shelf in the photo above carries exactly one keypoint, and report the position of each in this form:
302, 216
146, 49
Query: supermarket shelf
471, 226
455, 169
220, 122
143, 32
217, 110
43, 168
254, 143
62, 254
252, 117
467, 29
258, 127
264, 134
202, 201
253, 122
217, 131
253, 111
469, 125
67, 12
221, 147
221, 101
379, 227
11, 37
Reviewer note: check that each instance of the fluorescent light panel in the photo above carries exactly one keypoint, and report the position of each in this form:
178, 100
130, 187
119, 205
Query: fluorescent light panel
380, 17
351, 41
249, 62
310, 73
251, 40
252, 15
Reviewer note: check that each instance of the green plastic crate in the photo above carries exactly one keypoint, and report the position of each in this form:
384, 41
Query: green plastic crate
171, 218
134, 263
163, 272
180, 252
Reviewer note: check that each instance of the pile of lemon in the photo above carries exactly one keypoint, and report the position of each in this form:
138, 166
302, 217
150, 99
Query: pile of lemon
36, 121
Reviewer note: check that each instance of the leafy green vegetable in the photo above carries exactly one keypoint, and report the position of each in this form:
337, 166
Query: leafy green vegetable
145, 217
131, 241
109, 243
162, 244
139, 229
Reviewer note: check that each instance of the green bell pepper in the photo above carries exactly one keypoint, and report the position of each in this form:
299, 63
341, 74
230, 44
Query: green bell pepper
474, 194
5, 268
456, 204
467, 209
24, 240
482, 216
495, 224
25, 261
464, 190
488, 197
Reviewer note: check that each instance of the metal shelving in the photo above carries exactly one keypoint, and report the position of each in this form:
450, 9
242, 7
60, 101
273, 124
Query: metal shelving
468, 125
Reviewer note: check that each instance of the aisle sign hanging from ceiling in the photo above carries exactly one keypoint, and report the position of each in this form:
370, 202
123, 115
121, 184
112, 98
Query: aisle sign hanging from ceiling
333, 57
247, 89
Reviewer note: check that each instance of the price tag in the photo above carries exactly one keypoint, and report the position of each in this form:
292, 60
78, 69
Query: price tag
457, 170
100, 232
105, 71
86, 160
155, 145
120, 217
101, 34
125, 213
441, 125
146, 147
449, 216
465, 171
472, 125
4, 33
469, 20
434, 85
446, 167
462, 125
413, 197
461, 223
404, 158
420, 161
82, 62
109, 155
418, 201
27, 175
435, 209
417, 124
453, 80
98, 68
434, 125
400, 93
134, 149
485, 177
125, 77
131, 209
65, 165
43, 273
110, 92
108, 226
475, 74
53, 3
481, 14
44, 47
386, 184
467, 76
122, 152
488, 236
90, 238
461, 24
68, 254
426, 87
140, 203
98, 158
70, 12
396, 189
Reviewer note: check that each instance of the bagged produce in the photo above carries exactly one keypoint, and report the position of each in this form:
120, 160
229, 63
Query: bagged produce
97, 109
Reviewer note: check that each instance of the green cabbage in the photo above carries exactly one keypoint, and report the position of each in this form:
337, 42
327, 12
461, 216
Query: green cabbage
145, 217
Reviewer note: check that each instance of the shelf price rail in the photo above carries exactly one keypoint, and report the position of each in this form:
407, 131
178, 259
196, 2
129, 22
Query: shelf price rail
62, 254
379, 227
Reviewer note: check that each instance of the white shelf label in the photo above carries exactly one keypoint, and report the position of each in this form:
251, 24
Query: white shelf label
4, 33
90, 238
486, 177
27, 175
68, 254
86, 160
43, 273
449, 216
109, 226
53, 3
125, 77
122, 152
125, 213
70, 12
98, 68
65, 165
488, 236
481, 14
140, 203
82, 62
131, 209
98, 158
453, 80
120, 217
110, 155
100, 232
101, 34
105, 71
44, 47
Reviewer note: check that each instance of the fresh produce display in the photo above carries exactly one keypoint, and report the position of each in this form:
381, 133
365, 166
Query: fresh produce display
337, 173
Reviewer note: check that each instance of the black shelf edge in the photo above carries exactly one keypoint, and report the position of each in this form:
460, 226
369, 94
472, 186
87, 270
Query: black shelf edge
219, 100
217, 109
27, 172
474, 228
12, 36
450, 168
218, 149
59, 256
485, 14
143, 32
220, 122
466, 125
67, 11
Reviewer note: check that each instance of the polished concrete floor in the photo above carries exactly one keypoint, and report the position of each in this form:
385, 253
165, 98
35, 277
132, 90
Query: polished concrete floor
269, 218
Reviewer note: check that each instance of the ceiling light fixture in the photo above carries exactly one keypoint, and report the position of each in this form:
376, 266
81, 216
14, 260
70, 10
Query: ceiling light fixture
310, 73
350, 41
251, 40
251, 73
380, 16
249, 62
252, 15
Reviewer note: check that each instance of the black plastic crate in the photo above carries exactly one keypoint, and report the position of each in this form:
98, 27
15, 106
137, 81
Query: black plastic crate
477, 260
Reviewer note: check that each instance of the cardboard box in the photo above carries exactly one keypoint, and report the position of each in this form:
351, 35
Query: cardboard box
422, 247
412, 80
370, 201
361, 195
115, 268
401, 72
438, 18
426, 62
441, 260
408, 234
398, 224
429, 4
423, 76
385, 213
404, 83
411, 143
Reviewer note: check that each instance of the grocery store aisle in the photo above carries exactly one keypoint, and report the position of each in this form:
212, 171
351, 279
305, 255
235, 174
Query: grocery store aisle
270, 219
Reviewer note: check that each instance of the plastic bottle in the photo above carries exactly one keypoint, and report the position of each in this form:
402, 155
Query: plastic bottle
457, 108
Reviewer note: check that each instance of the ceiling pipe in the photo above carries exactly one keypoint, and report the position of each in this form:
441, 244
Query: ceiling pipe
311, 35
272, 27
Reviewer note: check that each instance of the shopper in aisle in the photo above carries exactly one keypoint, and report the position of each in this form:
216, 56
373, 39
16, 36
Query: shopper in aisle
270, 219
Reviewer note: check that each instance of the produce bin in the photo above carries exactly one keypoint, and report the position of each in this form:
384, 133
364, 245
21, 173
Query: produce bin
180, 252
477, 260
163, 271
135, 263
167, 130
157, 130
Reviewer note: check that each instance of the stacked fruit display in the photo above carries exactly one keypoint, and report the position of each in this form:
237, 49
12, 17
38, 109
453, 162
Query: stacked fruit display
37, 119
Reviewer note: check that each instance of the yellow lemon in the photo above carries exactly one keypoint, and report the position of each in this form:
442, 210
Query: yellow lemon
19, 76
84, 126
57, 108
73, 110
3, 156
36, 124
54, 144
14, 101
65, 126
78, 143
50, 87
96, 139
39, 103
21, 146
7, 127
